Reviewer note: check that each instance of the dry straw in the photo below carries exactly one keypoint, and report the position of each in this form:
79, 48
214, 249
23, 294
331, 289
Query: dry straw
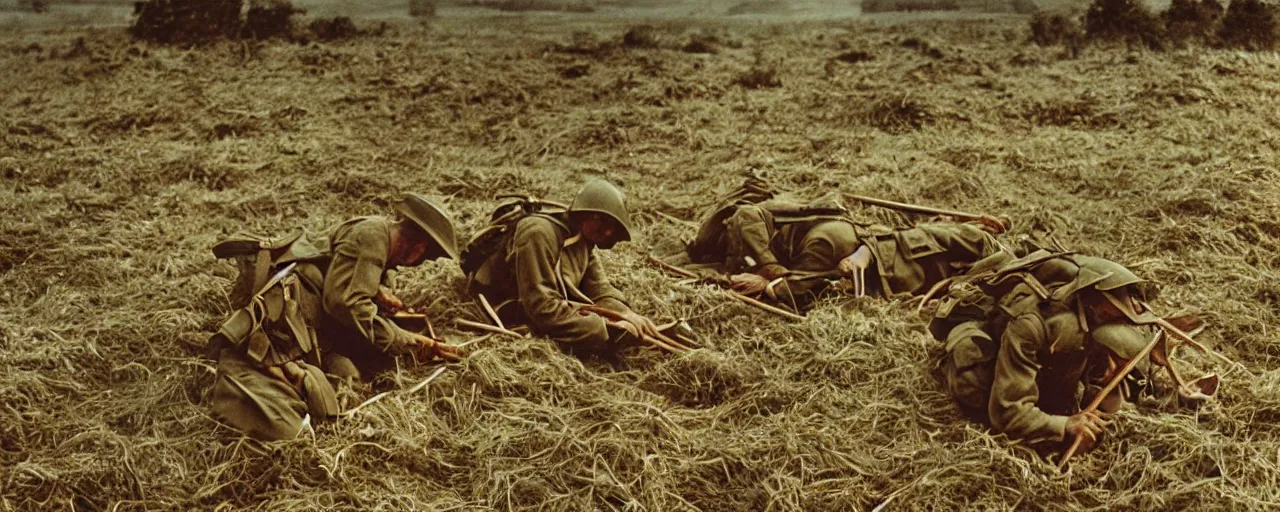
123, 162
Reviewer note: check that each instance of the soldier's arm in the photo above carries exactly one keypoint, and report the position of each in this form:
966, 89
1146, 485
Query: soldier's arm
1014, 392
821, 252
750, 230
595, 284
535, 249
962, 242
351, 284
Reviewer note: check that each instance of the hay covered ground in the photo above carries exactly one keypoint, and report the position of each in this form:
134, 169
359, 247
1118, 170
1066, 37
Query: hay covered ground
122, 163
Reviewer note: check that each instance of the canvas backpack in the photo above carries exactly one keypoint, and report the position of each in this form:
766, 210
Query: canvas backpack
491, 239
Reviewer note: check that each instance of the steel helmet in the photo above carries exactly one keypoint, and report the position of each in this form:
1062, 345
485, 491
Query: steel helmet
433, 219
602, 197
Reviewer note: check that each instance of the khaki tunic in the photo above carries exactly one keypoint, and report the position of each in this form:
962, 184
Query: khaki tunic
907, 262
360, 248
538, 276
1026, 382
1038, 371
248, 398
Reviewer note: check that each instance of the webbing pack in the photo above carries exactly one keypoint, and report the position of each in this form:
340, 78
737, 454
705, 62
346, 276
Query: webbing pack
1000, 287
493, 237
273, 328
258, 257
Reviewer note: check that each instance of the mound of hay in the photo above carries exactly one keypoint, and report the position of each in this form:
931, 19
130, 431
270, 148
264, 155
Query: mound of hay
900, 113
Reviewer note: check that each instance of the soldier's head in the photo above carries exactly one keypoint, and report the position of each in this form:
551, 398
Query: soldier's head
1110, 294
424, 232
599, 213
1107, 294
1118, 323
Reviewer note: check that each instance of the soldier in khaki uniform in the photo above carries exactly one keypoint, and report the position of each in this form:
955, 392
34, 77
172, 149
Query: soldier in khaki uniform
790, 250
545, 269
1026, 338
317, 313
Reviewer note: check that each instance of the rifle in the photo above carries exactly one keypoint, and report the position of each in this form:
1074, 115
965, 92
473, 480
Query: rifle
1111, 386
735, 295
661, 341
1004, 223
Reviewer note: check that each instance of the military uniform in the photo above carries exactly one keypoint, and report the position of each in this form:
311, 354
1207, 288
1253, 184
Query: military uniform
273, 354
549, 269
358, 266
786, 240
1019, 350
543, 270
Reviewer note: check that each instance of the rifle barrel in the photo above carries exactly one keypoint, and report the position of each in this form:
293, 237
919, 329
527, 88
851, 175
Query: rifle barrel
913, 208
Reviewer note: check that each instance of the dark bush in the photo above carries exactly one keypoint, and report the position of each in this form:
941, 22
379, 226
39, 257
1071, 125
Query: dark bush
909, 5
202, 21
699, 43
422, 8
270, 21
1055, 29
1249, 25
1192, 20
641, 36
334, 29
1126, 21
186, 21
759, 77
535, 5
855, 56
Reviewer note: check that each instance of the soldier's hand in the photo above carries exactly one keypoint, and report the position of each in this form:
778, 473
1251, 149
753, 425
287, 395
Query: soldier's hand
388, 301
643, 324
748, 284
995, 225
1088, 427
624, 325
428, 347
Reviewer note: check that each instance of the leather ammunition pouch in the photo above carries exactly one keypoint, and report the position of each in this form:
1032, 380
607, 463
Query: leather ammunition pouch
273, 329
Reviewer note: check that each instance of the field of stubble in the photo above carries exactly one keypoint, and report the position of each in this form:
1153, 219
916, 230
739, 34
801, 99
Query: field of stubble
122, 163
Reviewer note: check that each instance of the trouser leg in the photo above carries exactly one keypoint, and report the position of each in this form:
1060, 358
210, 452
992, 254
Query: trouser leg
254, 402
968, 368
